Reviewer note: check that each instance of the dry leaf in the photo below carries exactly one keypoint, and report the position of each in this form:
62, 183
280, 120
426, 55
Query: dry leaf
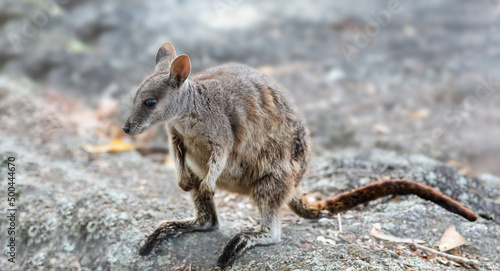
347, 236
377, 232
116, 145
451, 239
380, 129
431, 256
420, 114
326, 240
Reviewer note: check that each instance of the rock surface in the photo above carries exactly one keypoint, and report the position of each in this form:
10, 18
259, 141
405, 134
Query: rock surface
81, 211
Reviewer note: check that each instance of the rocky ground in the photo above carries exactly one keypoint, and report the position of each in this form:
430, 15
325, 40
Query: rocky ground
417, 98
84, 211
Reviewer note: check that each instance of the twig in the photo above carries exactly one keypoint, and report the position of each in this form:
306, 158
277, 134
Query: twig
252, 220
457, 259
343, 239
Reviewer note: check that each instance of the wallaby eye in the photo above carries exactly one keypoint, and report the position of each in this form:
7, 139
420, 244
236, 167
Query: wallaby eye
150, 102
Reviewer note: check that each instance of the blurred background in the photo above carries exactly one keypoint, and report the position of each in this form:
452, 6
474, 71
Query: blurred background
411, 76
403, 81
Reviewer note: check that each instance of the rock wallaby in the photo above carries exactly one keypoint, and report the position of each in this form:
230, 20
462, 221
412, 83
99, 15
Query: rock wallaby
233, 128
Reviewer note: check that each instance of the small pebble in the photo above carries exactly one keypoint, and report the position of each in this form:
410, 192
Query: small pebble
324, 221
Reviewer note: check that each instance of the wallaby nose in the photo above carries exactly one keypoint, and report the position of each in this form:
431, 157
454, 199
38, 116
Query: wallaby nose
126, 128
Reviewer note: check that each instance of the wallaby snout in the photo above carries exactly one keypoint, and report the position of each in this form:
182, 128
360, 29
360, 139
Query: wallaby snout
131, 128
126, 128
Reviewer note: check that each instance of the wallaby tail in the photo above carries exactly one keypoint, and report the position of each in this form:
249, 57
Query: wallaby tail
367, 193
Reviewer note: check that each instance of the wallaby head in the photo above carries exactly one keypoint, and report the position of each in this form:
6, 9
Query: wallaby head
160, 96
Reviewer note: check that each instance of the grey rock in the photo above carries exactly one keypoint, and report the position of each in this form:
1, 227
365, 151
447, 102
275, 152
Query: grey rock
91, 212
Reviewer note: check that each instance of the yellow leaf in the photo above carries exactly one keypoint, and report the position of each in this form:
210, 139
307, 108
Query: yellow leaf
116, 145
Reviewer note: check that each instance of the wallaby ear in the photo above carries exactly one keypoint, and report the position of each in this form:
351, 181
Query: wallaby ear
164, 56
180, 69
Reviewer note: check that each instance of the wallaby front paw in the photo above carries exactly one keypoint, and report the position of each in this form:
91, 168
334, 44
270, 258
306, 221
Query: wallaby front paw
206, 192
186, 185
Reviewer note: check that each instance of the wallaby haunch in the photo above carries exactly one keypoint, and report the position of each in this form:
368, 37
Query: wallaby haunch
232, 127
